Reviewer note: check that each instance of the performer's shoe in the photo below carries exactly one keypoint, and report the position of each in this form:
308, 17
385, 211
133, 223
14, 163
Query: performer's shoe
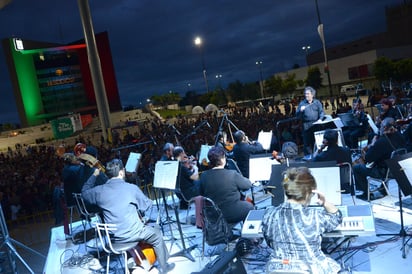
167, 268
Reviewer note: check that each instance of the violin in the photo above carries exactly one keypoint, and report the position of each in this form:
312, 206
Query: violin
229, 146
189, 161
404, 121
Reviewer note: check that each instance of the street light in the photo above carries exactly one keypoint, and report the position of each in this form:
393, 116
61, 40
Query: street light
219, 77
198, 42
259, 64
306, 49
322, 38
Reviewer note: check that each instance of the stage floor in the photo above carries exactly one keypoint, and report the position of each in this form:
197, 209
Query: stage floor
372, 254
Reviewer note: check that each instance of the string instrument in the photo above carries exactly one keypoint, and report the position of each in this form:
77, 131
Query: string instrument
60, 151
404, 121
229, 146
143, 255
189, 161
90, 160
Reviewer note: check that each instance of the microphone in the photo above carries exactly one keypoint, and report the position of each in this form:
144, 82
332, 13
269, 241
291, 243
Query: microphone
153, 140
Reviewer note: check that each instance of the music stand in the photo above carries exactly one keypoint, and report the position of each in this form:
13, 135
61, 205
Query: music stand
401, 168
165, 178
325, 174
8, 242
265, 138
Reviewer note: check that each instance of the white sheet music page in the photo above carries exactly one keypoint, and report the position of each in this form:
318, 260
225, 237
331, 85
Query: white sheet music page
265, 138
407, 168
166, 174
132, 162
204, 150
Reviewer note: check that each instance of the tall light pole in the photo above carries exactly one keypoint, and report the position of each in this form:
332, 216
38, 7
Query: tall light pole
95, 67
306, 49
198, 42
259, 64
322, 38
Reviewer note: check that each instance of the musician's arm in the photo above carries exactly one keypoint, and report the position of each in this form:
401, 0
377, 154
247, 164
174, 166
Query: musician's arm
143, 202
88, 187
242, 183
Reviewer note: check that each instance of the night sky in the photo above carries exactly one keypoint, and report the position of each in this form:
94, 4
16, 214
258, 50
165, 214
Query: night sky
152, 41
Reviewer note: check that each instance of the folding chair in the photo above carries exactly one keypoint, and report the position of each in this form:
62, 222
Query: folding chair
347, 179
86, 218
384, 181
105, 231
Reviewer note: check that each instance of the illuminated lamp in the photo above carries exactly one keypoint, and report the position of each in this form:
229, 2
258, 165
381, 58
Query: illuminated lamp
59, 72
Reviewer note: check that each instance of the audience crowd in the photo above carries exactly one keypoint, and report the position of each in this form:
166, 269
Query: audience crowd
30, 176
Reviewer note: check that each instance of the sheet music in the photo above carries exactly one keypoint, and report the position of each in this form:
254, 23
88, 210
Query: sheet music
204, 150
260, 169
372, 125
265, 138
133, 162
328, 182
166, 174
319, 138
407, 168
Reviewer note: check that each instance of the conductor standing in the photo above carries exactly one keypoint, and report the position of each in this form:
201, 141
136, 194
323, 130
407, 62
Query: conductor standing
309, 111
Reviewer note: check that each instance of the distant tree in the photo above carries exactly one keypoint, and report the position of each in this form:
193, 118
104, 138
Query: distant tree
289, 84
273, 85
383, 69
295, 66
191, 98
235, 90
314, 78
403, 70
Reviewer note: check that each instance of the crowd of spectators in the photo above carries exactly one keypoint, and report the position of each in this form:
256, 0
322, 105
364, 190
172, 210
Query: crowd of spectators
30, 176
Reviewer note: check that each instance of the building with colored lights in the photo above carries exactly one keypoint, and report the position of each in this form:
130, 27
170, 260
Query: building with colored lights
53, 80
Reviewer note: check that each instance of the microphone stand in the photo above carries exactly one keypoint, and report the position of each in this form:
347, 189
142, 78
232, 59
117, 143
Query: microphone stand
194, 130
227, 120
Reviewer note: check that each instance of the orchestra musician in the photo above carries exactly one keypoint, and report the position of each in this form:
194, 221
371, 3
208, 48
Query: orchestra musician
309, 111
379, 150
242, 150
188, 176
352, 133
229, 183
77, 171
124, 211
331, 151
407, 134
387, 110
294, 231
167, 152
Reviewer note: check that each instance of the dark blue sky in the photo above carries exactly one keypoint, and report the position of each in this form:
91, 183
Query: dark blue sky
152, 40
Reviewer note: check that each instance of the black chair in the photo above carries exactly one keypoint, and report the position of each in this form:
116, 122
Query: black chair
216, 230
384, 181
347, 180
